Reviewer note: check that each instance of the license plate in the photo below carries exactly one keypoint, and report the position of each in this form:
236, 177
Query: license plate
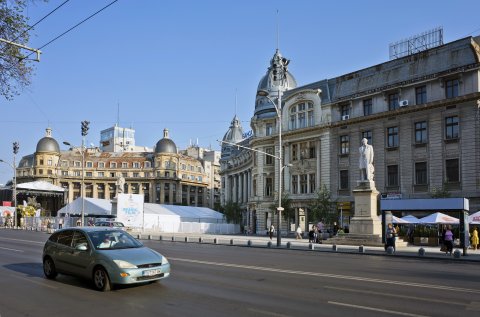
151, 272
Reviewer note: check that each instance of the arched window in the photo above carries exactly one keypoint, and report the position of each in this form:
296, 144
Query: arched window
301, 116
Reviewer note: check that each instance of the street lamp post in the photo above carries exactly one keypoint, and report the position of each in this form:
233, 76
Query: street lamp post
16, 147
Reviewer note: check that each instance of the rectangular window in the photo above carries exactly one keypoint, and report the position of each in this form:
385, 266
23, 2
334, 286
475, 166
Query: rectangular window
421, 132
312, 183
147, 164
311, 120
393, 101
269, 129
345, 110
268, 158
78, 164
303, 150
64, 163
254, 187
64, 173
303, 183
344, 184
113, 164
392, 176
88, 174
101, 165
124, 165
100, 174
136, 174
451, 127
344, 144
136, 165
268, 186
294, 152
421, 95
367, 107
392, 137
302, 123
90, 164
421, 173
49, 162
312, 151
452, 171
367, 135
451, 88
294, 184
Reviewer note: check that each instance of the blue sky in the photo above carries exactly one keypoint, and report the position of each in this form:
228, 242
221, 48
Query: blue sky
178, 64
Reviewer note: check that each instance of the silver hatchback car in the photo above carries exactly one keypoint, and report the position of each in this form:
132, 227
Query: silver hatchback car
106, 256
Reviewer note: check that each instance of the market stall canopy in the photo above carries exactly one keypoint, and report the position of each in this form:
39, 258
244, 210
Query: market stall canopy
438, 217
410, 219
474, 218
396, 220
40, 186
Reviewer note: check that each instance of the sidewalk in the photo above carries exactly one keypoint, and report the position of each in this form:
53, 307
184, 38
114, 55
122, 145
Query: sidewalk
293, 244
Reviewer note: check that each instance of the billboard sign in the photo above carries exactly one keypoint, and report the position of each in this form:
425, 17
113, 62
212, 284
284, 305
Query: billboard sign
130, 210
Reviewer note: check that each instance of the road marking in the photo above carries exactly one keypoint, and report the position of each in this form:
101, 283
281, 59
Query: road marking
376, 309
29, 241
336, 276
9, 249
266, 312
396, 296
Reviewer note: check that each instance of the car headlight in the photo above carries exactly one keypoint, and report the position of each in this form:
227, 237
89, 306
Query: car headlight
164, 260
124, 264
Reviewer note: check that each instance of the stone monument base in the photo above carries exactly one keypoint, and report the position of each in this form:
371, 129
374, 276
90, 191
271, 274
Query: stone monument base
371, 240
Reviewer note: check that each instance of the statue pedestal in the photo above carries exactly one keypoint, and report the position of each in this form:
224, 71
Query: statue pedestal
365, 219
113, 211
365, 227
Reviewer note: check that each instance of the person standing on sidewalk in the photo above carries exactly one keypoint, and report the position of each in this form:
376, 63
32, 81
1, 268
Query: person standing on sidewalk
271, 230
475, 238
299, 233
448, 236
390, 236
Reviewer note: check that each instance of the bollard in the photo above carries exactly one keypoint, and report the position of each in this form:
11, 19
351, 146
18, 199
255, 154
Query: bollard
361, 249
186, 239
421, 252
160, 238
173, 239
249, 243
311, 246
149, 237
139, 236
390, 250
231, 241
334, 247
215, 241
457, 254
200, 240
269, 244
289, 245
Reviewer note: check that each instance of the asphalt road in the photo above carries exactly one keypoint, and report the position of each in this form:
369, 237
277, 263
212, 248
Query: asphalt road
219, 280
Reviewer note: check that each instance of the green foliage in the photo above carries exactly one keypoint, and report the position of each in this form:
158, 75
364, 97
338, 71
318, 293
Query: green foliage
322, 207
15, 70
232, 212
288, 212
442, 192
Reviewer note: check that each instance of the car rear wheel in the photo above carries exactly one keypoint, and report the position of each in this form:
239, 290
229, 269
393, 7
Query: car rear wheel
101, 281
49, 268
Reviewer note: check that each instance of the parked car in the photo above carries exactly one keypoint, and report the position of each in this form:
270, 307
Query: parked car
111, 224
104, 255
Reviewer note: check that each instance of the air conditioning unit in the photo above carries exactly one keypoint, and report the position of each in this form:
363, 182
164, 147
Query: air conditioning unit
345, 117
403, 103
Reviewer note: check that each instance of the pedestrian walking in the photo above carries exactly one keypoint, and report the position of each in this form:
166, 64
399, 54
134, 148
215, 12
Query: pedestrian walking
271, 230
390, 237
475, 238
299, 233
448, 240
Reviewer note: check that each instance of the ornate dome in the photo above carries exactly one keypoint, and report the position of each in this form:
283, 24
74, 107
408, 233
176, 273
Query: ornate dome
233, 135
277, 78
165, 145
47, 143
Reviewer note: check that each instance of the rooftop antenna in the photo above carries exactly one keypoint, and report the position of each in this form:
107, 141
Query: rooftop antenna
235, 101
278, 33
118, 113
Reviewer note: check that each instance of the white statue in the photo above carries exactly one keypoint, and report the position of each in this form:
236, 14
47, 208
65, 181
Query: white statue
366, 161
120, 184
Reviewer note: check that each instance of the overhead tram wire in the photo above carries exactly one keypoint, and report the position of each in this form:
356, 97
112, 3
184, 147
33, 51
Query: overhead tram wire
75, 26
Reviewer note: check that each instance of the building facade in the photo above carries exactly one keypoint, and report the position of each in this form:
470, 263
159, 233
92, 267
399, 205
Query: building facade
163, 176
419, 112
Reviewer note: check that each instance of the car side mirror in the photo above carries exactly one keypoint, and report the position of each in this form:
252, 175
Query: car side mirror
81, 247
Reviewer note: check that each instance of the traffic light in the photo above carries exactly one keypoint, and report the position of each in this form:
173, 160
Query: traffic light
85, 124
16, 147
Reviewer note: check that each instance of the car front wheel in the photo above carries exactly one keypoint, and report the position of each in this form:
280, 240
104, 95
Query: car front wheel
49, 268
101, 281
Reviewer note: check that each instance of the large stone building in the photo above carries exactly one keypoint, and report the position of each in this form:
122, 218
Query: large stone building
420, 112
165, 175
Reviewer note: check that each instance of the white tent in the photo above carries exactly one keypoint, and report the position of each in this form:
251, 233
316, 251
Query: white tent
474, 218
438, 217
92, 206
410, 219
395, 220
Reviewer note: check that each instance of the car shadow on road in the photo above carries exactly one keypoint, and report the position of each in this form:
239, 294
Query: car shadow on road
29, 269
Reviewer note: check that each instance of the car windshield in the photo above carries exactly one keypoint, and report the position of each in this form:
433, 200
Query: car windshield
113, 239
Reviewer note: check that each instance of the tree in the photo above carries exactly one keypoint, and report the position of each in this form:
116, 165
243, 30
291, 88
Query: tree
322, 207
15, 69
232, 212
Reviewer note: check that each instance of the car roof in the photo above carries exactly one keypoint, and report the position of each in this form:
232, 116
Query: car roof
89, 229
